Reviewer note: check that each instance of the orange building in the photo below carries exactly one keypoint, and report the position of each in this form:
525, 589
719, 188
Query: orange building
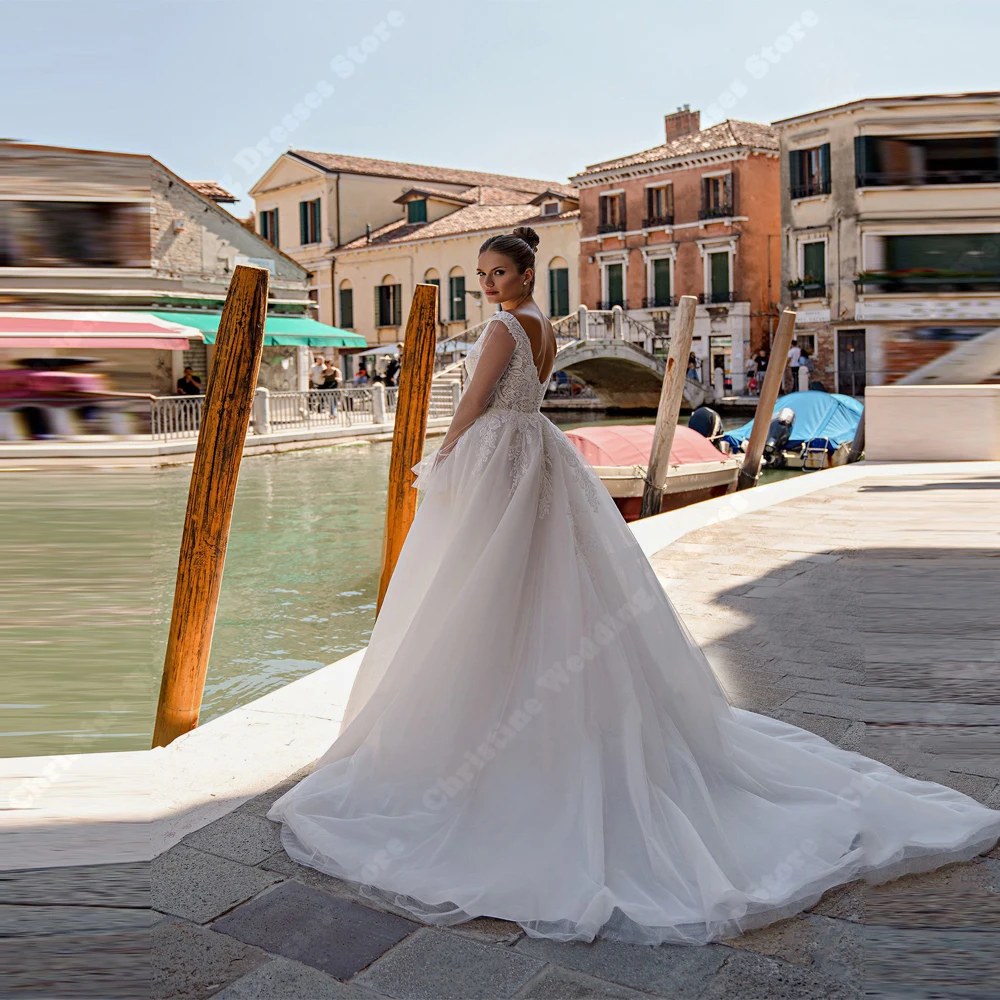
698, 215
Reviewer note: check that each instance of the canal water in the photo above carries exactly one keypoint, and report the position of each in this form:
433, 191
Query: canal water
86, 584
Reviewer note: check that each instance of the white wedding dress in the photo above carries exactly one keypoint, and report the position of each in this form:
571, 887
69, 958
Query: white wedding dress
534, 735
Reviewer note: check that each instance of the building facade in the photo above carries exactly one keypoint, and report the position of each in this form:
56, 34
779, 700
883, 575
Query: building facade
890, 231
369, 230
104, 240
696, 215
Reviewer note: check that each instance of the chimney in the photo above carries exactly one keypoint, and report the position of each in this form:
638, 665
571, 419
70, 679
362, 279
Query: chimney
683, 121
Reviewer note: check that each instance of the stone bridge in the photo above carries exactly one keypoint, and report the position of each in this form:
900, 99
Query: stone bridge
622, 374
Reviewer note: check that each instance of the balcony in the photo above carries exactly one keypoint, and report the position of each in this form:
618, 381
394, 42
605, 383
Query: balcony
658, 302
657, 220
611, 227
926, 280
811, 188
909, 178
606, 306
715, 212
714, 298
808, 290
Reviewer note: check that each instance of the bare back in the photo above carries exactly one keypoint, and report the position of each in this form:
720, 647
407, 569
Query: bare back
542, 337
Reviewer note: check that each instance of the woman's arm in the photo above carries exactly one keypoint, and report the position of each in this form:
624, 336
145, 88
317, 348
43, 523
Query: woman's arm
498, 347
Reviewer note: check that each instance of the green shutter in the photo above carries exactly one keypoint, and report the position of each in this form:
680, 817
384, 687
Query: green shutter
661, 282
616, 291
303, 222
814, 263
347, 308
416, 211
559, 291
456, 290
824, 167
719, 271
397, 305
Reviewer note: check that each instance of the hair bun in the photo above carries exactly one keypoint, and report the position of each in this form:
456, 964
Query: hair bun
529, 236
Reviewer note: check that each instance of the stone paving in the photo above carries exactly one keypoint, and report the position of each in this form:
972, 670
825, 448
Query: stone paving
866, 613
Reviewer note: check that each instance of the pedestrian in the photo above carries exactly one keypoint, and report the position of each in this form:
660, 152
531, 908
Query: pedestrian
316, 372
794, 358
189, 384
693, 371
332, 379
806, 361
362, 376
392, 370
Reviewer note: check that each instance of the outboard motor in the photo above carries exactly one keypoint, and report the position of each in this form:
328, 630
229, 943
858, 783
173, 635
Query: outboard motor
706, 422
777, 438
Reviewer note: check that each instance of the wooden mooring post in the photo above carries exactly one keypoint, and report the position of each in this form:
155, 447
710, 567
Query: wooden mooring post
225, 417
412, 407
669, 408
773, 377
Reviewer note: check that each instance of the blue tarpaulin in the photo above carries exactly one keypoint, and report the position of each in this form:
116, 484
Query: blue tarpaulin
819, 417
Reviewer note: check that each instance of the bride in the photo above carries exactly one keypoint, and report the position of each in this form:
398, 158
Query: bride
533, 734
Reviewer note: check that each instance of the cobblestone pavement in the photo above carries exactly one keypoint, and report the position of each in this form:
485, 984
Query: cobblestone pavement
866, 613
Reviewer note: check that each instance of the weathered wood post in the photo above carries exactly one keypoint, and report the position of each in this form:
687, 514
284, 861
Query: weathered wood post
671, 394
773, 378
858, 444
225, 418
412, 406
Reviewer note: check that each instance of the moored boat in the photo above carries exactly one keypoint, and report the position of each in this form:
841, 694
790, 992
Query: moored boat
619, 454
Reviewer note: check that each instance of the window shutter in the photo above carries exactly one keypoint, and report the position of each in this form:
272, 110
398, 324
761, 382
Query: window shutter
727, 191
303, 222
794, 171
553, 294
824, 167
274, 227
397, 305
862, 154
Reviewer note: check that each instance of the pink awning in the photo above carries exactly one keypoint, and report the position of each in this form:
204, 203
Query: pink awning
92, 330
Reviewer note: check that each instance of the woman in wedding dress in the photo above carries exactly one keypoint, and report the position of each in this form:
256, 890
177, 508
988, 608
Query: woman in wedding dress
533, 734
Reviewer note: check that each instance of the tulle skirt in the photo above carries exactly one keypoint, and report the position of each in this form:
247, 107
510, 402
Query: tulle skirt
533, 735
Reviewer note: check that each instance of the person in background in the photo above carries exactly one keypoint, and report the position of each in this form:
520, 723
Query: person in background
189, 384
362, 377
316, 372
794, 359
806, 361
392, 370
693, 372
332, 379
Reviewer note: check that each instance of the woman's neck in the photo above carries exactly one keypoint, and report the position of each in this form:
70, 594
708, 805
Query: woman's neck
511, 304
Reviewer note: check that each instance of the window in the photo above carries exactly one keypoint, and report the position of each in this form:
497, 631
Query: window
659, 206
388, 303
716, 196
550, 208
611, 213
887, 160
309, 222
718, 277
809, 171
932, 262
313, 288
616, 285
346, 306
558, 287
416, 211
814, 270
269, 226
74, 234
456, 298
659, 273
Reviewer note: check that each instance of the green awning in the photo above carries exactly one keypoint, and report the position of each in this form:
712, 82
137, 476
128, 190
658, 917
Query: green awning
284, 331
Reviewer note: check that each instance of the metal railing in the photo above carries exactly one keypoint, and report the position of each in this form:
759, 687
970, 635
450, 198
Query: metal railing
809, 189
810, 290
175, 416
713, 298
657, 220
659, 302
612, 227
320, 408
715, 212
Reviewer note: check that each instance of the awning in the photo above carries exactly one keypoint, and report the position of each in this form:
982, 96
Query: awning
279, 331
92, 329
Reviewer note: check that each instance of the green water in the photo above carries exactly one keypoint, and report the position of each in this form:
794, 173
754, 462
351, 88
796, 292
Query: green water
87, 565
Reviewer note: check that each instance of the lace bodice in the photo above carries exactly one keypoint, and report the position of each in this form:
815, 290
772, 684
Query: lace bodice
518, 387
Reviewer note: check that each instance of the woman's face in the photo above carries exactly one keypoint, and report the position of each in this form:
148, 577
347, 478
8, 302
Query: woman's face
499, 279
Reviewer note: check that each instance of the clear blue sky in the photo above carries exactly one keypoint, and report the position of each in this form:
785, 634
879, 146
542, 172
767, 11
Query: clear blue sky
531, 87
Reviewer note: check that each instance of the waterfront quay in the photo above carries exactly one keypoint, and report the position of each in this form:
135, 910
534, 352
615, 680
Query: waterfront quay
859, 603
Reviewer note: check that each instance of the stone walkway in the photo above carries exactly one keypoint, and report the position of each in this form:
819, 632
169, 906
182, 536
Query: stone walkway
866, 613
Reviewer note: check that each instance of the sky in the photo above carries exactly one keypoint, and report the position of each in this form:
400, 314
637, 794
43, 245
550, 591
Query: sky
216, 89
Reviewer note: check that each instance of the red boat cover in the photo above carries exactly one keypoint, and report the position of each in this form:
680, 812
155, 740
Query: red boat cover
629, 444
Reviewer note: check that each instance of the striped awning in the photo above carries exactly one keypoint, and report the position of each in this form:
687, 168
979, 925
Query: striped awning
91, 329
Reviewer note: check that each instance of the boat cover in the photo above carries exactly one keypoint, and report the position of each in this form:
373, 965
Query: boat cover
821, 418
630, 444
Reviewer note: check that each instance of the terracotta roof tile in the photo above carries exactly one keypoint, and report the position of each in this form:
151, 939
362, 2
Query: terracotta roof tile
213, 190
475, 218
421, 172
722, 136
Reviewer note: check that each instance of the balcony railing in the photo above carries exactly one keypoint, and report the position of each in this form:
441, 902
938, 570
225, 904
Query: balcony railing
658, 302
810, 290
715, 211
612, 227
902, 282
657, 220
907, 178
606, 306
811, 188
714, 298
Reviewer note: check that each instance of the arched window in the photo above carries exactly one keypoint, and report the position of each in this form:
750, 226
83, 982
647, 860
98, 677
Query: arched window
389, 302
433, 277
456, 295
558, 287
346, 305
